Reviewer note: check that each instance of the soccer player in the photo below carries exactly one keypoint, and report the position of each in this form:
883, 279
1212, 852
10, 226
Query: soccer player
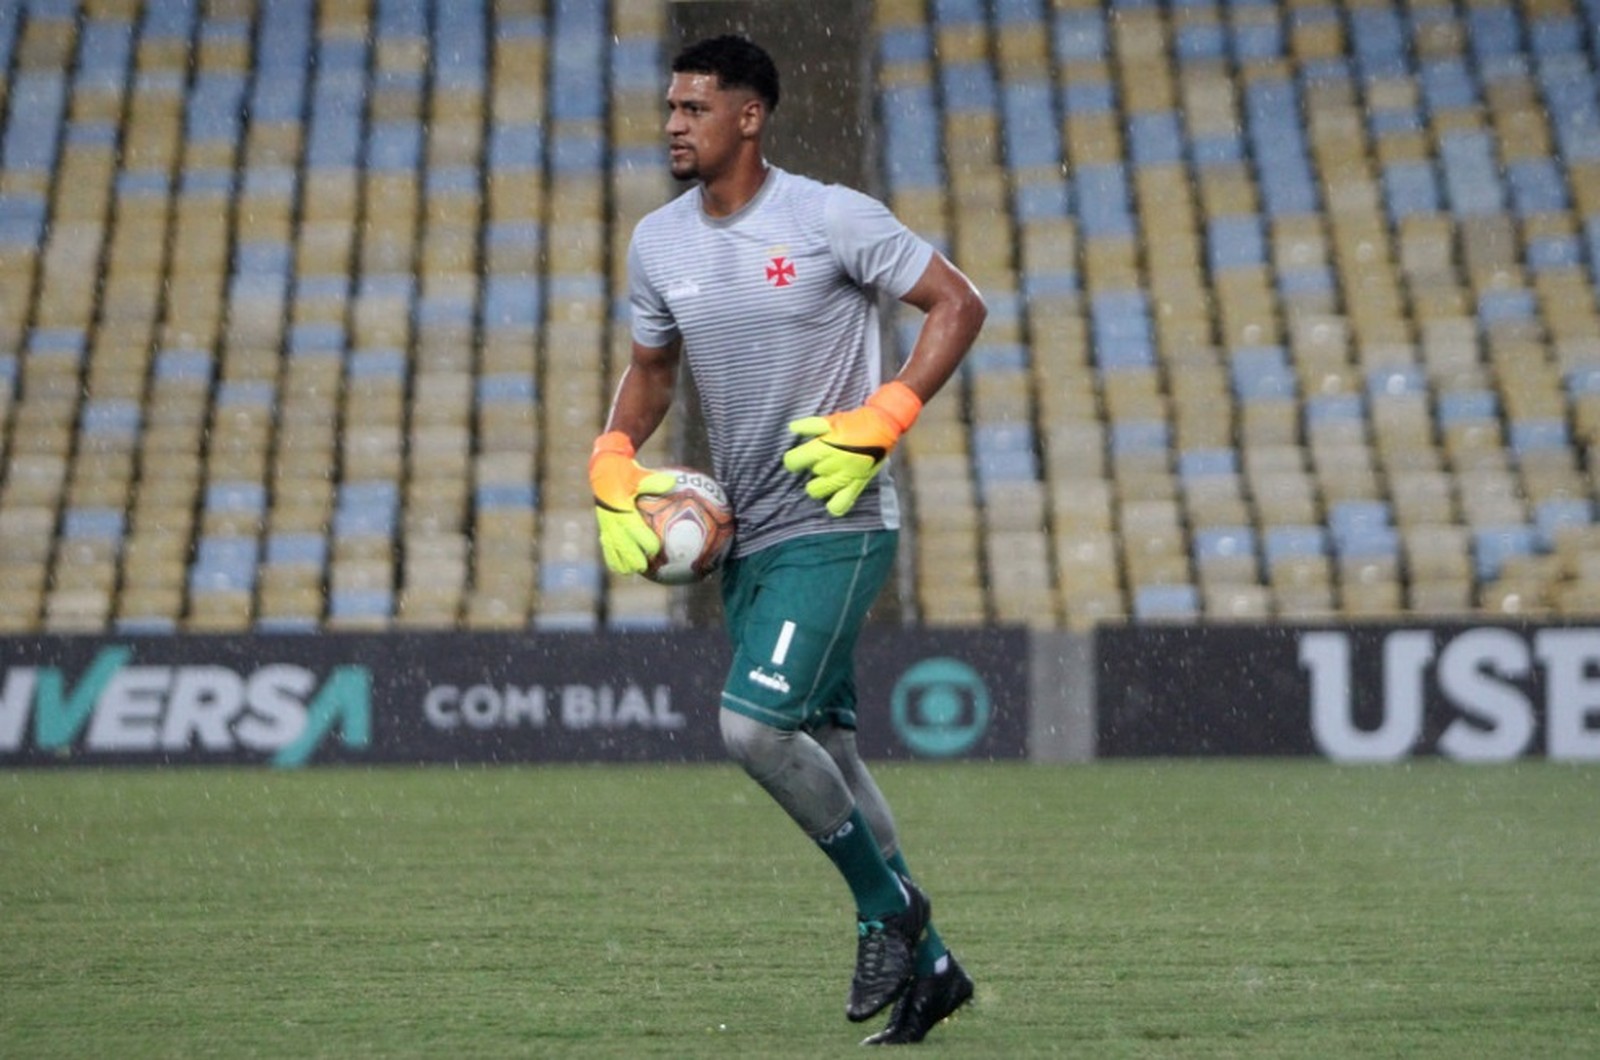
768, 283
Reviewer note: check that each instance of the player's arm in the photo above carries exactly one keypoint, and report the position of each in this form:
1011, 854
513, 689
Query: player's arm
643, 397
955, 313
645, 393
847, 449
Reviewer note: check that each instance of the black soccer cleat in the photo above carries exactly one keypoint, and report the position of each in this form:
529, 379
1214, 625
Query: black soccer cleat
929, 1000
886, 956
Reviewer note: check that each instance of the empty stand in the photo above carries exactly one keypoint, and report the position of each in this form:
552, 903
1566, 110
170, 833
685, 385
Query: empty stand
308, 311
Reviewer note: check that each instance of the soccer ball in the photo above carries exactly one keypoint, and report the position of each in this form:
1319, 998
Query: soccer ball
695, 525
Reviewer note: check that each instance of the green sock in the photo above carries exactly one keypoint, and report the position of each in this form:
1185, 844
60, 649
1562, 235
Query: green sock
854, 852
932, 947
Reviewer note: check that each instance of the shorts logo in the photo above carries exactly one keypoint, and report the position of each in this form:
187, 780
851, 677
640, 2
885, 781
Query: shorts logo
780, 271
776, 682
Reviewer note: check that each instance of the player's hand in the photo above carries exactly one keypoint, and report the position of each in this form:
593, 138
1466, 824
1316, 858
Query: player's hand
618, 480
848, 448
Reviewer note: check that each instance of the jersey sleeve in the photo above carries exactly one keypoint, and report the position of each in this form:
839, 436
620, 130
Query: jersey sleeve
653, 325
871, 243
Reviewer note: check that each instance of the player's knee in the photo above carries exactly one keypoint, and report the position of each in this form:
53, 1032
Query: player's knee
759, 748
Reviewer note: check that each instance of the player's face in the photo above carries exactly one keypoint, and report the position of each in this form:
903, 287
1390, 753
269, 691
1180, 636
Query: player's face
706, 125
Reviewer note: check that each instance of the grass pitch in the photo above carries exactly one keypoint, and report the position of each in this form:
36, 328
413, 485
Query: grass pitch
1228, 909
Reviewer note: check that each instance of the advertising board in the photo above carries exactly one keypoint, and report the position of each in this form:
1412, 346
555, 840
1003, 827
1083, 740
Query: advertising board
1366, 693
291, 700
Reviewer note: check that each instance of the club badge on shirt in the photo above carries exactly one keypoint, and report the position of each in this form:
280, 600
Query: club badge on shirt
780, 271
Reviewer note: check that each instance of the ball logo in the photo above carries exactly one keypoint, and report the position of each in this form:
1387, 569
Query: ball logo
940, 708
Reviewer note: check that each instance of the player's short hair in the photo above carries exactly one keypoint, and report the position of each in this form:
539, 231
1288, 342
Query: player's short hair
737, 62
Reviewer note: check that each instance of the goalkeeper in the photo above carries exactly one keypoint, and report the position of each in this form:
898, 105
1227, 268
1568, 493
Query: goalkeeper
767, 283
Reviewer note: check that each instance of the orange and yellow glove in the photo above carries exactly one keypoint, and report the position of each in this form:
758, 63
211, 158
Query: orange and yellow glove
848, 448
617, 479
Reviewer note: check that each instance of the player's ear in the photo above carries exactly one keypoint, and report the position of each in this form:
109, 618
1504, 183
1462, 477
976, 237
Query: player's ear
752, 117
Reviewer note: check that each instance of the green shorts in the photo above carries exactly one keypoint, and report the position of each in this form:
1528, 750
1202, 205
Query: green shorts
794, 612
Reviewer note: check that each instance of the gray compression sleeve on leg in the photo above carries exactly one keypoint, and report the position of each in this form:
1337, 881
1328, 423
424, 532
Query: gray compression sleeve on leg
841, 747
794, 769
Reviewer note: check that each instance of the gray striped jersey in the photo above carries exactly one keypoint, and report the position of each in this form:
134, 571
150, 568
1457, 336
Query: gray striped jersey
777, 307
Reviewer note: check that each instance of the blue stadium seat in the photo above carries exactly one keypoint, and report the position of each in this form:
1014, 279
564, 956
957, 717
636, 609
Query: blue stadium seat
1554, 35
1256, 38
111, 419
1032, 135
1200, 463
1217, 149
1471, 173
1492, 546
1291, 541
1582, 379
1458, 406
1235, 242
1200, 40
105, 50
1493, 30
1118, 350
296, 548
1139, 436
969, 87
37, 106
1498, 306
394, 146
1262, 373
913, 141
1080, 34
1447, 85
350, 604
1088, 97
1533, 435
1104, 207
515, 146
102, 524
902, 44
1552, 253
1396, 380
578, 36
567, 575
1334, 408
240, 498
1378, 38
22, 217
1410, 188
1536, 186
577, 152
1004, 452
10, 14
1552, 516
501, 495
1166, 603
1218, 542
224, 564
1155, 138
1362, 529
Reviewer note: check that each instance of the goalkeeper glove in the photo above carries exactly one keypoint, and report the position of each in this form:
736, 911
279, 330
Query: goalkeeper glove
617, 479
848, 448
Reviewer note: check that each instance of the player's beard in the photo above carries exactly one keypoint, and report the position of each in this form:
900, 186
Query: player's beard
685, 166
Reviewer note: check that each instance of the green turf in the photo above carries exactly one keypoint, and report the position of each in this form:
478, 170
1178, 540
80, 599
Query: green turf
1258, 909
